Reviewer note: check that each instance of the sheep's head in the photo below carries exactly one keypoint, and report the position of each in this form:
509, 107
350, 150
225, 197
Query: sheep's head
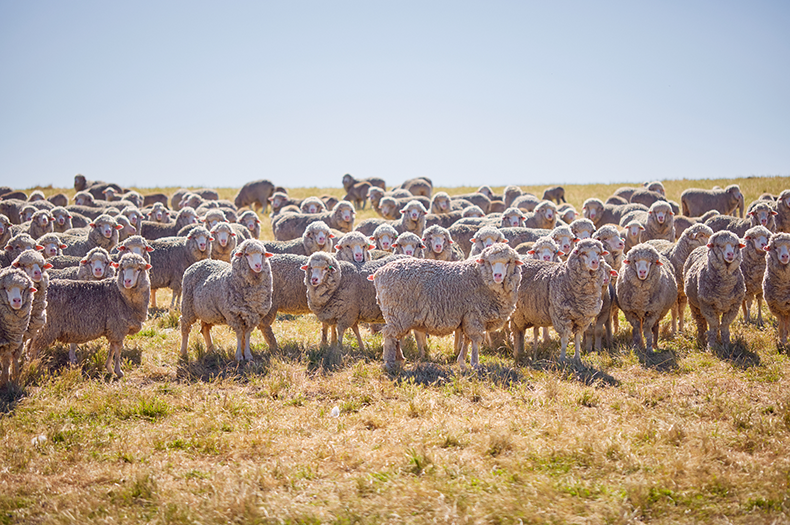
348, 180
642, 259
487, 236
83, 198
779, 249
26, 213
375, 194
548, 210
414, 211
278, 200
610, 238
52, 245
42, 218
249, 220
724, 248
582, 228
159, 213
316, 237
440, 203
19, 243
254, 253
485, 190
17, 288
696, 235
344, 210
106, 226
32, 263
633, 231
313, 205
544, 249
133, 214
564, 238
656, 186
499, 266
473, 211
409, 244
568, 214
761, 214
130, 268
136, 245
437, 238
660, 211
320, 266
353, 247
201, 237
784, 199
384, 236
758, 238
98, 261
592, 209
512, 218
589, 253
223, 234
211, 219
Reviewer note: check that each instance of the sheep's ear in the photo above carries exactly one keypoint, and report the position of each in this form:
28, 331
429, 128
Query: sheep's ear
504, 241
774, 212
69, 217
304, 266
47, 266
531, 252
32, 290
613, 272
710, 245
371, 246
626, 261
422, 246
519, 262
371, 238
604, 252
115, 264
370, 277
480, 261
39, 248
92, 225
63, 246
122, 248
331, 235
211, 239
394, 244
338, 247
659, 263
237, 254
560, 252
451, 241
741, 245
84, 261
52, 219
9, 247
750, 213
767, 247
15, 264
403, 212
148, 266
472, 240
232, 234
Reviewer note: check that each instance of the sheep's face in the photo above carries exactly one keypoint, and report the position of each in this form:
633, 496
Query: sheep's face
159, 215
250, 223
590, 254
592, 210
441, 203
137, 248
201, 240
42, 218
61, 217
98, 266
52, 248
564, 243
544, 252
106, 228
255, 259
82, 200
27, 214
130, 273
613, 243
660, 213
582, 231
642, 263
33, 268
414, 212
223, 234
19, 245
726, 247
735, 193
318, 271
15, 293
501, 263
473, 211
780, 248
383, 241
436, 241
759, 241
761, 214
355, 248
485, 190
313, 207
133, 216
408, 246
486, 239
633, 230
347, 180
513, 218
569, 215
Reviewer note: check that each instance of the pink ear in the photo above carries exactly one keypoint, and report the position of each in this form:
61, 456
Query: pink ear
531, 252
338, 247
32, 290
402, 212
370, 278
148, 266
519, 262
710, 245
47, 266
767, 248
774, 213
39, 247
626, 261
371, 246
479, 261
741, 245
211, 239
267, 254
232, 234
604, 252
451, 241
113, 264
372, 239
659, 263
331, 236
69, 217
92, 225
149, 248
122, 248
15, 264
613, 272
238, 254
304, 267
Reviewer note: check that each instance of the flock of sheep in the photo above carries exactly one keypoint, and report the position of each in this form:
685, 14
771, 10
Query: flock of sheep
433, 264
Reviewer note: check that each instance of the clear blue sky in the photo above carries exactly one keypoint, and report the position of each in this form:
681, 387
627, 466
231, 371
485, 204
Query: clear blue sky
170, 93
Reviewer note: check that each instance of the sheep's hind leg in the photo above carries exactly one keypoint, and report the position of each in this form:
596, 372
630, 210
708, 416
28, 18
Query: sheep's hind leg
205, 329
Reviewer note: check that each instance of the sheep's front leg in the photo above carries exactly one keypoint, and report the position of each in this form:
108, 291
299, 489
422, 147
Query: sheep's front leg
205, 329
247, 350
422, 343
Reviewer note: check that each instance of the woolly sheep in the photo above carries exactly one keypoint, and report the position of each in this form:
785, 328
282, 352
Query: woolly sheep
41, 223
289, 293
95, 266
762, 214
776, 282
582, 228
391, 208
510, 194
237, 294
103, 232
126, 230
291, 226
660, 223
135, 244
255, 194
696, 201
353, 247
383, 237
224, 243
317, 237
557, 194
565, 239
35, 266
646, 197
512, 218
646, 291
153, 230
566, 213
782, 217
249, 219
753, 267
545, 249
526, 202
483, 238
349, 181
58, 199
16, 245
544, 216
441, 203
440, 245
600, 213
52, 244
409, 244
632, 233
412, 220
159, 213
714, 285
473, 296
172, 256
16, 303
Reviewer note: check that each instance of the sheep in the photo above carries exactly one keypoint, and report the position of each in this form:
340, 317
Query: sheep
714, 285
97, 190
224, 243
63, 219
615, 200
384, 237
753, 268
340, 294
473, 296
313, 205
545, 249
16, 303
646, 291
59, 199
172, 256
632, 232
35, 266
441, 203
292, 225
410, 244
600, 213
81, 311
86, 212
660, 223
358, 194
127, 230
776, 282
625, 193
483, 238
478, 199
696, 201
20, 195
603, 322
544, 216
565, 239
5, 230
353, 247
16, 245
52, 244
349, 181
103, 232
255, 194
557, 193
761, 214
582, 228
526, 202
317, 237
237, 294
412, 220
152, 198
289, 293
83, 198
250, 220
135, 244
646, 197
420, 186
213, 217
564, 295
441, 246
135, 217
159, 213
783, 212
153, 230
473, 211
390, 207
677, 253
41, 223
612, 243
95, 266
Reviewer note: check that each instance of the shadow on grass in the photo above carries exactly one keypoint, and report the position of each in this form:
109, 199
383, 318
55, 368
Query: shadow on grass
545, 358
737, 354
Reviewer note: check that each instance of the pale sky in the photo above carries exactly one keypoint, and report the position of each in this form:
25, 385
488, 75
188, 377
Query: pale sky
300, 92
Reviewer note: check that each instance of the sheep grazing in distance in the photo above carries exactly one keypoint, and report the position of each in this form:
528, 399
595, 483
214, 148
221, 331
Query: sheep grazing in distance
483, 238
95, 266
171, 256
349, 181
582, 228
255, 194
341, 296
353, 247
384, 237
292, 225
412, 220
35, 266
753, 267
646, 291
317, 237
237, 294
556, 194
410, 244
187, 216
52, 244
15, 246
776, 283
473, 296
600, 213
16, 303
249, 219
782, 217
103, 233
440, 245
224, 242
358, 194
696, 202
714, 285
82, 311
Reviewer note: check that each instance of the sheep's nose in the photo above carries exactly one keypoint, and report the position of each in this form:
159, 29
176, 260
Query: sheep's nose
358, 257
385, 245
498, 277
98, 272
314, 281
16, 303
729, 256
408, 252
37, 275
320, 240
202, 246
546, 258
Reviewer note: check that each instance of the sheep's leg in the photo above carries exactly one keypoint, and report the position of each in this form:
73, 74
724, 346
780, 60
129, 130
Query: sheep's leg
393, 355
608, 327
462, 353
727, 319
546, 337
355, 328
5, 364
674, 311
535, 336
205, 329
760, 310
636, 332
747, 305
563, 346
73, 354
176, 296
702, 326
681, 312
117, 355
614, 320
518, 344
713, 327
324, 329
422, 343
268, 335
475, 357
577, 355
247, 349
337, 336
153, 298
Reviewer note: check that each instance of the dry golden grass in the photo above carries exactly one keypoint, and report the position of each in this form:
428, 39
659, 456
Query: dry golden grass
683, 436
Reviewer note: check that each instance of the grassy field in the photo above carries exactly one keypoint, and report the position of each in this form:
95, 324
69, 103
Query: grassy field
682, 436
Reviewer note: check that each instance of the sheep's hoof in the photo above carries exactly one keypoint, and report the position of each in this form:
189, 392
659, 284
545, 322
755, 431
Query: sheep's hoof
119, 373
393, 366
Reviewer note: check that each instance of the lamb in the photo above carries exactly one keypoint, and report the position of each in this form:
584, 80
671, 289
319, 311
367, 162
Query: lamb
600, 213
384, 237
753, 267
15, 246
412, 220
776, 282
224, 242
646, 291
441, 246
349, 181
103, 232
544, 216
353, 247
63, 219
582, 228
16, 303
565, 295
677, 253
714, 285
34, 265
52, 244
317, 237
237, 294
761, 214
473, 296
696, 202
410, 244
95, 266
249, 219
81, 311
154, 230
172, 256
660, 223
292, 225
5, 230
483, 238
557, 194
783, 212
255, 194
340, 294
